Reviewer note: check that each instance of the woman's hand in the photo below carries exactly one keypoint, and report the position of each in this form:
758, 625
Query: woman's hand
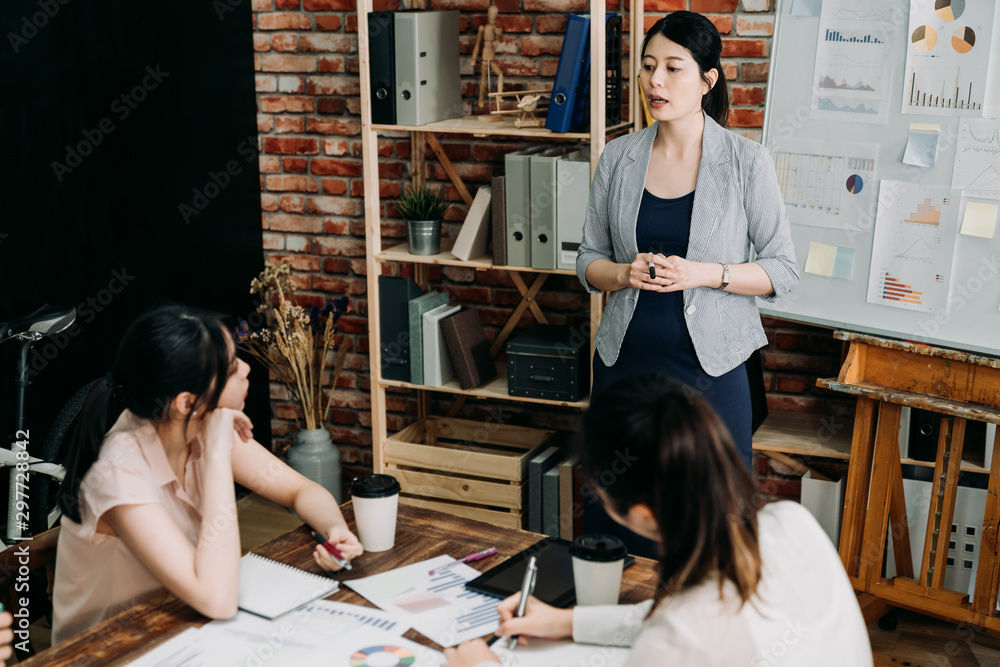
539, 620
344, 541
470, 654
220, 425
6, 637
673, 273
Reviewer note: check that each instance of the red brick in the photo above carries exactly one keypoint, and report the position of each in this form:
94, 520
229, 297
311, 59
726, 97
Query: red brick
331, 64
287, 104
287, 4
283, 21
261, 42
335, 205
795, 403
755, 27
328, 22
289, 124
285, 42
385, 5
533, 46
755, 72
724, 24
548, 66
333, 85
268, 203
729, 70
292, 145
338, 43
334, 147
720, 6
299, 244
791, 340
274, 241
465, 5
790, 384
748, 96
664, 5
334, 265
295, 164
333, 186
746, 118
296, 223
330, 5
802, 363
513, 23
265, 83
508, 6
341, 246
335, 167
276, 63
292, 203
514, 66
268, 164
294, 183
351, 23
552, 23
744, 48
333, 126
555, 5
264, 123
337, 227
260, 5
291, 84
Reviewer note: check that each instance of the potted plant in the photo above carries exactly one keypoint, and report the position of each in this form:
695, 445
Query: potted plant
423, 209
298, 347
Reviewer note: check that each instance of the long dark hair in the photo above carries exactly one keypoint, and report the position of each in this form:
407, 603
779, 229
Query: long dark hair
649, 440
168, 350
699, 36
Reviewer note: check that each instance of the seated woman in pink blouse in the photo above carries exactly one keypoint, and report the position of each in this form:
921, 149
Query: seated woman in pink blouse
149, 502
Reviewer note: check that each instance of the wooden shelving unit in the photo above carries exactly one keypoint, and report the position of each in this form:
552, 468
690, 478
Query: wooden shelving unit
527, 280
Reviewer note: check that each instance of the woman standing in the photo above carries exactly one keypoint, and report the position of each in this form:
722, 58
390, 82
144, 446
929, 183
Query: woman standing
673, 212
149, 503
740, 586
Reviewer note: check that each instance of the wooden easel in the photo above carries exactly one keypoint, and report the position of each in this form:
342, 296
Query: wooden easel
886, 375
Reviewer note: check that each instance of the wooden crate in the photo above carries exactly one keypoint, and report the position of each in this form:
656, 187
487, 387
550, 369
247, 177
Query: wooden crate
473, 469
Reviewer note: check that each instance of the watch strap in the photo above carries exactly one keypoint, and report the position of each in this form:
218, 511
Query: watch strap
725, 276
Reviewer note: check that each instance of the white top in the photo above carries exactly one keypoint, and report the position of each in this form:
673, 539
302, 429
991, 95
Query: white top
805, 611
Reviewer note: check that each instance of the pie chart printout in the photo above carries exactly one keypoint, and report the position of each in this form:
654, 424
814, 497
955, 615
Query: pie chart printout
963, 40
924, 38
949, 10
855, 184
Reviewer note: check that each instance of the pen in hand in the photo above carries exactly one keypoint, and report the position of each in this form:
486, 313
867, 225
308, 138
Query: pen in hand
337, 556
527, 588
652, 271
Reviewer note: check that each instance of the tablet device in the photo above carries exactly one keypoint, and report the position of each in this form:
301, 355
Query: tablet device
554, 584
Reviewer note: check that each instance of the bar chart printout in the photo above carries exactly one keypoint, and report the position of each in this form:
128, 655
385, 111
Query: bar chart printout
913, 247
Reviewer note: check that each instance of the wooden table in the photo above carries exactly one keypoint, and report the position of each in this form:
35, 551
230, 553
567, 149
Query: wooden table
420, 534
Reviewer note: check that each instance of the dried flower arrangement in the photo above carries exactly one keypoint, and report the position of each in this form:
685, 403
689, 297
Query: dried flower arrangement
296, 344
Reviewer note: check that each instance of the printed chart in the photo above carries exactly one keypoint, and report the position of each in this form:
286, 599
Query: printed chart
853, 72
977, 159
823, 183
913, 247
947, 58
438, 607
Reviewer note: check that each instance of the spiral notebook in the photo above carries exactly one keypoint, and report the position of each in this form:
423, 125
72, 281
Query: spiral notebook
269, 588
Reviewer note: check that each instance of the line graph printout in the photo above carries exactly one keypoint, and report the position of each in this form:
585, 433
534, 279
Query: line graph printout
948, 57
826, 183
853, 74
977, 158
914, 245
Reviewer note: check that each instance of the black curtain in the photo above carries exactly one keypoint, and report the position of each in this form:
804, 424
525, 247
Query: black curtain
129, 175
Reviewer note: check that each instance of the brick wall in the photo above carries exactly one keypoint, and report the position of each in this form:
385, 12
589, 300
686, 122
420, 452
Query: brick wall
306, 57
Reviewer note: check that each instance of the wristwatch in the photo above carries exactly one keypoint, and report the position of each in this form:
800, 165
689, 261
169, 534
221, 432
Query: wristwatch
725, 276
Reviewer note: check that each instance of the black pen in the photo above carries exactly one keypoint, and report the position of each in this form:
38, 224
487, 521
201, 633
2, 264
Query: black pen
652, 271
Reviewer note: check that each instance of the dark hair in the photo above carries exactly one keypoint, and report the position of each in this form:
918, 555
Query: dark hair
168, 350
649, 440
699, 36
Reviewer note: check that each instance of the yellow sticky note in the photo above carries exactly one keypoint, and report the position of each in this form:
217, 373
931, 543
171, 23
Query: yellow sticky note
821, 259
980, 220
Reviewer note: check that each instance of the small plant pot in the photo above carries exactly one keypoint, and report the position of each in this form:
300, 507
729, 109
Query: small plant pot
424, 236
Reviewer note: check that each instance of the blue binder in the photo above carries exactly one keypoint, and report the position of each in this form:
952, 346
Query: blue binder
568, 106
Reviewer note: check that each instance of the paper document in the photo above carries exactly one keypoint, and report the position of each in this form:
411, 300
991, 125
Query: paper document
563, 653
438, 607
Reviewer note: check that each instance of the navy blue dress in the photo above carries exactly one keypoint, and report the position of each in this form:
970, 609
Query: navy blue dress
657, 338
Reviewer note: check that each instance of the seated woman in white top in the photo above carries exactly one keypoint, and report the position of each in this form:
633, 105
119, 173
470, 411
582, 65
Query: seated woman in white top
150, 503
741, 586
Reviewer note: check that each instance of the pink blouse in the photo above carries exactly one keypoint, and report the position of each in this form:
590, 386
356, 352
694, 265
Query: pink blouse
97, 576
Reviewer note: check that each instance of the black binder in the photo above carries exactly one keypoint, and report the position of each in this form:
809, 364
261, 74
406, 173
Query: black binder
382, 68
395, 295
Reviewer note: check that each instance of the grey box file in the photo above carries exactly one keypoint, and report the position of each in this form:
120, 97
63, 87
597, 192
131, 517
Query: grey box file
572, 196
428, 88
543, 207
416, 309
517, 185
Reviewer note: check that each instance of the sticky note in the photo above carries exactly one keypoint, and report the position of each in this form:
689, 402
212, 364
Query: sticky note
922, 145
821, 259
980, 220
806, 7
843, 266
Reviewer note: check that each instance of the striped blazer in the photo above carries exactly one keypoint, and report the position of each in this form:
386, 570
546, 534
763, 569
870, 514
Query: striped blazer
737, 203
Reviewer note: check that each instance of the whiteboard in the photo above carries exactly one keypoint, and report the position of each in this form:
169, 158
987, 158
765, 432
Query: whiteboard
971, 319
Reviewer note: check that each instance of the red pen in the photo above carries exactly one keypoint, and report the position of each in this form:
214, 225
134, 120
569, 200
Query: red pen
337, 556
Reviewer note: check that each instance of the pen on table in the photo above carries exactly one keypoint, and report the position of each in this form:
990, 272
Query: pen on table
652, 271
337, 556
527, 588
479, 555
